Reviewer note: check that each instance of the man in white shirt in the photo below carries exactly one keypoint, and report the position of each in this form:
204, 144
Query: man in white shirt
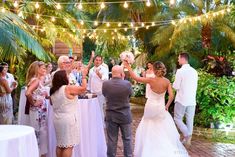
185, 101
97, 75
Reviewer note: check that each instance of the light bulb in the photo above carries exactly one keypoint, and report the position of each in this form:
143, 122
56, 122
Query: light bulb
125, 5
96, 23
153, 24
105, 30
172, 2
3, 10
148, 3
15, 4
37, 16
37, 5
80, 6
58, 6
125, 29
132, 25
142, 24
82, 23
147, 27
53, 19
108, 24
102, 6
119, 24
115, 30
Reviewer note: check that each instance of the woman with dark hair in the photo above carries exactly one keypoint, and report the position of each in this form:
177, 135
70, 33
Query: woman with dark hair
64, 99
6, 103
156, 134
148, 73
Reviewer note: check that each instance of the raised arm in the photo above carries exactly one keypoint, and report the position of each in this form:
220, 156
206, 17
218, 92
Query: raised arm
7, 87
32, 87
171, 96
91, 59
76, 90
133, 75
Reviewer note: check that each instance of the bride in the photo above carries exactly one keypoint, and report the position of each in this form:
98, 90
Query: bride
156, 135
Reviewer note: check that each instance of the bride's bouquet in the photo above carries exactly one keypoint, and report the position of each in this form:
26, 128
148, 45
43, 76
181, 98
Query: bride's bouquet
127, 56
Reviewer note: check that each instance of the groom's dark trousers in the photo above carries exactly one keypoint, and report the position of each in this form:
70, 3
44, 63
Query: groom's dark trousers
118, 115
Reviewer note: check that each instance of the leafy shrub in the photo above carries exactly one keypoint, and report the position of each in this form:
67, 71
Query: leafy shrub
215, 99
138, 89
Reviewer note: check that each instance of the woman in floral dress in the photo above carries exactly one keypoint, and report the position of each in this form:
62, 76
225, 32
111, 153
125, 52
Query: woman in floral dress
36, 94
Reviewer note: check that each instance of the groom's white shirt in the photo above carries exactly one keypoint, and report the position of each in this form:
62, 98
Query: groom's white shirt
95, 82
186, 85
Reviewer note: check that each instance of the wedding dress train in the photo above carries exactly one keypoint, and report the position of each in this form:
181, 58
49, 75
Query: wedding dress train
156, 135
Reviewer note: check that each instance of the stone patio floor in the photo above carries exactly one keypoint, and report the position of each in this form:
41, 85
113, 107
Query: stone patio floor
200, 147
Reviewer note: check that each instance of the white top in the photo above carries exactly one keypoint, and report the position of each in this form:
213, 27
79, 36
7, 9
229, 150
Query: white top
186, 85
10, 79
95, 82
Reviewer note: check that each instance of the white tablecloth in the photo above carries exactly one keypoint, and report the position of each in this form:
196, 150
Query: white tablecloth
92, 138
18, 141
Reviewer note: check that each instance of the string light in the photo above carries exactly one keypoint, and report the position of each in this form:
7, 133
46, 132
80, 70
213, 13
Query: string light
3, 10
37, 5
80, 6
58, 6
96, 23
125, 5
119, 24
20, 14
108, 24
132, 25
172, 2
148, 3
153, 24
53, 19
15, 4
102, 6
37, 16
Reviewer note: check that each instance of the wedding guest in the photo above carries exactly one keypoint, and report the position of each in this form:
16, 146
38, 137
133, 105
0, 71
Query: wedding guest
157, 135
6, 102
110, 65
64, 63
48, 79
36, 94
97, 75
64, 99
148, 73
185, 84
117, 92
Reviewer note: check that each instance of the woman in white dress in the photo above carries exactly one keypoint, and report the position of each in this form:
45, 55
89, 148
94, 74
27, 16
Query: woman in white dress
64, 99
156, 135
148, 73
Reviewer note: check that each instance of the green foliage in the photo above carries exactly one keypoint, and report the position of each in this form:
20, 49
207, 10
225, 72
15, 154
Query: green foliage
215, 99
138, 89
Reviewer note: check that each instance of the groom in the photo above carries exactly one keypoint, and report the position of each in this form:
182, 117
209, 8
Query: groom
185, 101
117, 92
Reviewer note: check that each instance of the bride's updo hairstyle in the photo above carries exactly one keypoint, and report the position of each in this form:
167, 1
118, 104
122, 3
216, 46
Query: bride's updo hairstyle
159, 69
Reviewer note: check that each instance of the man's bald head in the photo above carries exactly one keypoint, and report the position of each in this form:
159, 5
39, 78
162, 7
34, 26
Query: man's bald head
117, 71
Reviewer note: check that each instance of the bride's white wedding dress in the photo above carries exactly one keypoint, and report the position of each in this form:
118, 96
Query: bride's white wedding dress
156, 135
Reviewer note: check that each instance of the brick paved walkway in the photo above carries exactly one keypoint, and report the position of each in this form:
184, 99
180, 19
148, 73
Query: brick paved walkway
200, 146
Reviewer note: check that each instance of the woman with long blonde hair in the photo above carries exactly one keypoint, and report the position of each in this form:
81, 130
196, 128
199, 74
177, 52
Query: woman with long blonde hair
36, 94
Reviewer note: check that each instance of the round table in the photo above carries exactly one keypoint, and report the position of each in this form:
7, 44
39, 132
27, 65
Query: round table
18, 141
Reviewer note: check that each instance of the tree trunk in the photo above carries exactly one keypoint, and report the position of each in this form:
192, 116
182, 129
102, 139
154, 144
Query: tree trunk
206, 35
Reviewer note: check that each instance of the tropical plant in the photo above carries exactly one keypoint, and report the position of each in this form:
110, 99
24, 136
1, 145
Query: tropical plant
215, 99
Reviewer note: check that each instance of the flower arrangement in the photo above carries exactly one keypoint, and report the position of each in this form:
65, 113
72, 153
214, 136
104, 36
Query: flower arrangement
127, 56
